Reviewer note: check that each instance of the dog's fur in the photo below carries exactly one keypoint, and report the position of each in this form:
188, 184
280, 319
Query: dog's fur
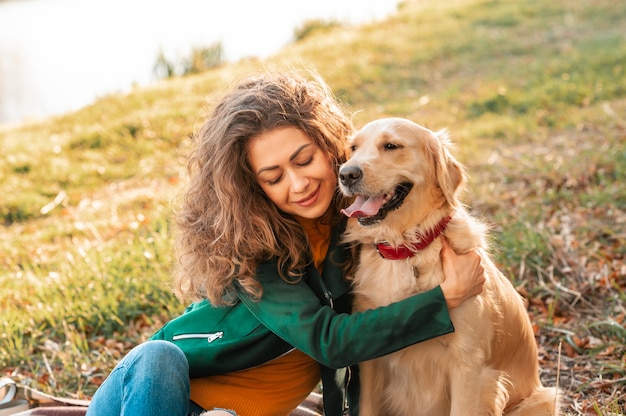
489, 364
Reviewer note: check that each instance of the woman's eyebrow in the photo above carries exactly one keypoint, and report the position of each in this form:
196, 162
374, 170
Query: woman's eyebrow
298, 150
291, 158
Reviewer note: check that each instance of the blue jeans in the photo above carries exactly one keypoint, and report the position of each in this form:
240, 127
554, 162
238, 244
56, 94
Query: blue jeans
153, 379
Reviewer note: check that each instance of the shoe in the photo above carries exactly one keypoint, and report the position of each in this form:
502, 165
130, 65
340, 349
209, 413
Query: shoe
8, 406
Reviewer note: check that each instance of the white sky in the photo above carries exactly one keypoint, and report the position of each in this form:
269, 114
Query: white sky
57, 55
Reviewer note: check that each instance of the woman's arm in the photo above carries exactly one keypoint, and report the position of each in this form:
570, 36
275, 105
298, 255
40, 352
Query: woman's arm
295, 313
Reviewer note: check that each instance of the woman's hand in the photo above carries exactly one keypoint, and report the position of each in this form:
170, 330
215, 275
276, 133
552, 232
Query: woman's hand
464, 275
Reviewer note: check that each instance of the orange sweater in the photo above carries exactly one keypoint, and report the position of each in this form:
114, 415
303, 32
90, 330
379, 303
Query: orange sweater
276, 387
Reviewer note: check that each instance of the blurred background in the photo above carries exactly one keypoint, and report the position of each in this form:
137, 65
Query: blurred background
60, 55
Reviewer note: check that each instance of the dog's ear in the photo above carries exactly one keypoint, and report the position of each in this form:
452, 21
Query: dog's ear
450, 173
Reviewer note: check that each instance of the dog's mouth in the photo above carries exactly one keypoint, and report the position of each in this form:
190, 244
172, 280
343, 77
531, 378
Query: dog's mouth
372, 209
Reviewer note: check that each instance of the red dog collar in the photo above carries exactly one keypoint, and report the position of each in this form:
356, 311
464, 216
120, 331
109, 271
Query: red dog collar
405, 251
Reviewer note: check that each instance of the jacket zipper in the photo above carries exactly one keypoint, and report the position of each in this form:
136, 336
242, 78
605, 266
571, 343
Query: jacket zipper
346, 406
329, 298
209, 337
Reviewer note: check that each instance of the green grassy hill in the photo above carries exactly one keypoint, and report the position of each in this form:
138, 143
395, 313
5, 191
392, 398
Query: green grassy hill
533, 94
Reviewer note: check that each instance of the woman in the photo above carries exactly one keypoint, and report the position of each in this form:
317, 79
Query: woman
260, 253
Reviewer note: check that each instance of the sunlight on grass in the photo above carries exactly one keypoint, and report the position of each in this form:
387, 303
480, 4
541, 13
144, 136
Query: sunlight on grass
533, 94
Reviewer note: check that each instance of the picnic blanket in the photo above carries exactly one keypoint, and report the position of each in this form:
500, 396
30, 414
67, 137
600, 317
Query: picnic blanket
19, 400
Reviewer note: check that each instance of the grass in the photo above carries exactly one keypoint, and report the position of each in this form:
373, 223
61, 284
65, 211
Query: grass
534, 95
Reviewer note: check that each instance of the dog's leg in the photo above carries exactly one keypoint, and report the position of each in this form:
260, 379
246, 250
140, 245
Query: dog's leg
494, 394
465, 390
543, 402
484, 395
372, 384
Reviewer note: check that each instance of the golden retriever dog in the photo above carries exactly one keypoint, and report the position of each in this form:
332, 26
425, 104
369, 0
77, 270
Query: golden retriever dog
406, 183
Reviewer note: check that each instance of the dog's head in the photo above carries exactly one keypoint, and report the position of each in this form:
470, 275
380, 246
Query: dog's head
401, 169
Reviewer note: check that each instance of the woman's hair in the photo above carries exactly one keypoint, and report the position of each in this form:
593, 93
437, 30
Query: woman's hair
226, 224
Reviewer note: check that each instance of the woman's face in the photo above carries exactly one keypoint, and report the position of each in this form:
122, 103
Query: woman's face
294, 173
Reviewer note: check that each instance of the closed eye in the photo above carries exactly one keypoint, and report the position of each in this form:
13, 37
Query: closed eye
277, 180
306, 162
274, 181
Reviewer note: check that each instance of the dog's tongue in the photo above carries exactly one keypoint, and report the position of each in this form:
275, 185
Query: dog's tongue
363, 206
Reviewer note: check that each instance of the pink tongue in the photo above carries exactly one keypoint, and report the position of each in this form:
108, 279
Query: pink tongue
363, 206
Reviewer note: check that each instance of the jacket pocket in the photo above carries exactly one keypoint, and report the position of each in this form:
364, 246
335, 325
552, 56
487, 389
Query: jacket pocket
221, 340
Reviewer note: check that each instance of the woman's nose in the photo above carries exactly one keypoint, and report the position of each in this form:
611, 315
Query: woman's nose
299, 183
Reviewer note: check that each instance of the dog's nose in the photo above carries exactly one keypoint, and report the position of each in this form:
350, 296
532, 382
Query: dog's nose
349, 175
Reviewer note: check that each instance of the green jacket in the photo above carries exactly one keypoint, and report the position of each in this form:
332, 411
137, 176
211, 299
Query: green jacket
312, 315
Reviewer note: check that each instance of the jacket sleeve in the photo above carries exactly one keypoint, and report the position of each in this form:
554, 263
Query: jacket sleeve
294, 313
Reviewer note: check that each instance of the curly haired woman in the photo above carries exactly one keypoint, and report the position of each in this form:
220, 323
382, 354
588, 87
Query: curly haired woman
260, 255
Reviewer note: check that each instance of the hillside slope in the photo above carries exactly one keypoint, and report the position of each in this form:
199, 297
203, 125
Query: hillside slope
533, 94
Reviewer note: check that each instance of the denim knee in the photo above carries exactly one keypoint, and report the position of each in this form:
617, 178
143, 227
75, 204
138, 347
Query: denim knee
159, 357
152, 379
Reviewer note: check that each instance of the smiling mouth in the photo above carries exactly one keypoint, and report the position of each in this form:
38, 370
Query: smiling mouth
370, 210
307, 200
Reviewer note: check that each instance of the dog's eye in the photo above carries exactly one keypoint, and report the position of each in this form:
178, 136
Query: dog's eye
353, 148
391, 146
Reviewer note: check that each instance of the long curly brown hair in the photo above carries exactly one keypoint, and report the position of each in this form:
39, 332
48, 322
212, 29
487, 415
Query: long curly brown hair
226, 225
